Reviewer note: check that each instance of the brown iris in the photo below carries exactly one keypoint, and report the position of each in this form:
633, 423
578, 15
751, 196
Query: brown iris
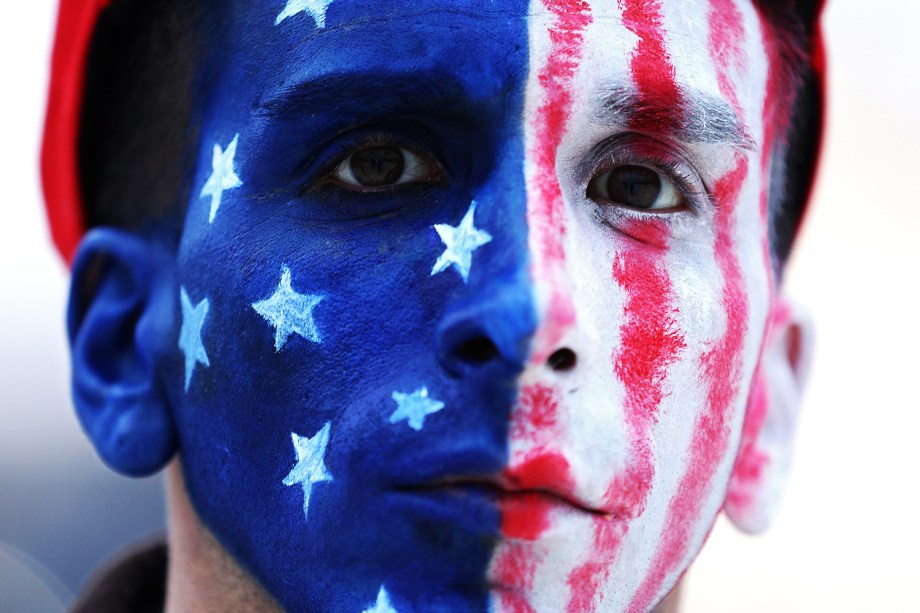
634, 186
377, 166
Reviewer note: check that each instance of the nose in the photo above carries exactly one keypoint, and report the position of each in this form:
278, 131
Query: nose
562, 360
493, 330
490, 329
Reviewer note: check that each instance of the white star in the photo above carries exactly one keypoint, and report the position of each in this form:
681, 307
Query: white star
311, 466
383, 604
316, 8
289, 312
414, 407
223, 176
190, 334
460, 241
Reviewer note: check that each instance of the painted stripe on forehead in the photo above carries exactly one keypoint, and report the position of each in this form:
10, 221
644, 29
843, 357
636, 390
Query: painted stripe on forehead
722, 365
651, 67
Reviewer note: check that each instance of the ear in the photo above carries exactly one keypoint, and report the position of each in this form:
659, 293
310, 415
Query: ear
761, 470
120, 313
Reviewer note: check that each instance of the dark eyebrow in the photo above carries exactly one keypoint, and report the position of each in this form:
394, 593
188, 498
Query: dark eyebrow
699, 117
366, 94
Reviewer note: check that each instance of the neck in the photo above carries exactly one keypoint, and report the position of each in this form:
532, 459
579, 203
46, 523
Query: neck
202, 575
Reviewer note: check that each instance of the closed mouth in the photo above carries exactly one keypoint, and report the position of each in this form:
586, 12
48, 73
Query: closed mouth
503, 491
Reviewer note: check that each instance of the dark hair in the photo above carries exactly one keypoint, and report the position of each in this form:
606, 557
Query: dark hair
137, 137
791, 31
137, 134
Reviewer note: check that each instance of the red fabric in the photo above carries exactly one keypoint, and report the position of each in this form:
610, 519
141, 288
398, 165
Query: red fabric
60, 179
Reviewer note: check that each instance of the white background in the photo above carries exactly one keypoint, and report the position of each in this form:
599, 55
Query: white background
847, 536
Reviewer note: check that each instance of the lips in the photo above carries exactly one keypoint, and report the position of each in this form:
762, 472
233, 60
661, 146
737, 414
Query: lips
516, 493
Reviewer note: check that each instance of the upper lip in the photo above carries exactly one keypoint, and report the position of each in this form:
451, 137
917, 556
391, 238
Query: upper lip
506, 486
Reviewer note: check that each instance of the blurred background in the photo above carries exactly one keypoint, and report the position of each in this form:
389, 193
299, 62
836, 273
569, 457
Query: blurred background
849, 529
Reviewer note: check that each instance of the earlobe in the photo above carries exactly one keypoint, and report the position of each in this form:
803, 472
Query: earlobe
120, 310
762, 468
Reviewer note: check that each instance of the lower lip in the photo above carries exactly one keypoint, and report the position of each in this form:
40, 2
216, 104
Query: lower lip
526, 515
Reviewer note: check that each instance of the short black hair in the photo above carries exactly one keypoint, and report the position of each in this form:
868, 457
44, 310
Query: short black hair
138, 135
792, 32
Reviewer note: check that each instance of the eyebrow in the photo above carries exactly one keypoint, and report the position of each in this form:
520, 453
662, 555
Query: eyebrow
365, 94
698, 118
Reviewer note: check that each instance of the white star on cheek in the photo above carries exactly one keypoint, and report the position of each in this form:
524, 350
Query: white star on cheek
311, 465
289, 312
193, 317
414, 408
460, 241
223, 176
383, 604
316, 8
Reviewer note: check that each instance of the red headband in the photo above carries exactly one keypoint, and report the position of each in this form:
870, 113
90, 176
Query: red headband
60, 170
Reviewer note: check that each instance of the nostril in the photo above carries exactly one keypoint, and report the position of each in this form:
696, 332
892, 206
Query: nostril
562, 360
477, 350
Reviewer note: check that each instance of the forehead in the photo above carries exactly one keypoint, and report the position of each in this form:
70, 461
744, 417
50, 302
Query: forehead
482, 45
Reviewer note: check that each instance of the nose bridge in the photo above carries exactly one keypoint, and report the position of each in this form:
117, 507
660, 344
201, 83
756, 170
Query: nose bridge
492, 322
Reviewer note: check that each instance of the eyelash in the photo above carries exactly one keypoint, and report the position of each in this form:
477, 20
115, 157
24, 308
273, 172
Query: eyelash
624, 149
633, 149
341, 148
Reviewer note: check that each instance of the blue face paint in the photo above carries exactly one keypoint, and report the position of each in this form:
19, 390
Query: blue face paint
347, 380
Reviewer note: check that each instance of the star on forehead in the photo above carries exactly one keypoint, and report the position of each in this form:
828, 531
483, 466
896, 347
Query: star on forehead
414, 408
316, 8
193, 317
460, 241
311, 464
383, 604
223, 176
289, 312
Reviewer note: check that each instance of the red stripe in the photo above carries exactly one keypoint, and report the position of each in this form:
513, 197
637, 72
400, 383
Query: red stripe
749, 466
535, 417
650, 340
534, 424
525, 518
650, 343
722, 369
651, 66
515, 567
751, 461
722, 364
546, 210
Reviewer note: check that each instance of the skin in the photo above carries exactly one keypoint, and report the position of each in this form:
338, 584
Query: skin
575, 481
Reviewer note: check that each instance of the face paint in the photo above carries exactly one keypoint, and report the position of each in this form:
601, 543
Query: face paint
446, 366
366, 272
674, 304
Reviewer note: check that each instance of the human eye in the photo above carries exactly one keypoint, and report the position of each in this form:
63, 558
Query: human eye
380, 165
636, 186
644, 176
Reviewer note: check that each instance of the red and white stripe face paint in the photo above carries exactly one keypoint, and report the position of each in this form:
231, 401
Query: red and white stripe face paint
665, 310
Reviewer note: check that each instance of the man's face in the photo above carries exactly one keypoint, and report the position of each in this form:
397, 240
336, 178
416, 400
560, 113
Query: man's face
486, 289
